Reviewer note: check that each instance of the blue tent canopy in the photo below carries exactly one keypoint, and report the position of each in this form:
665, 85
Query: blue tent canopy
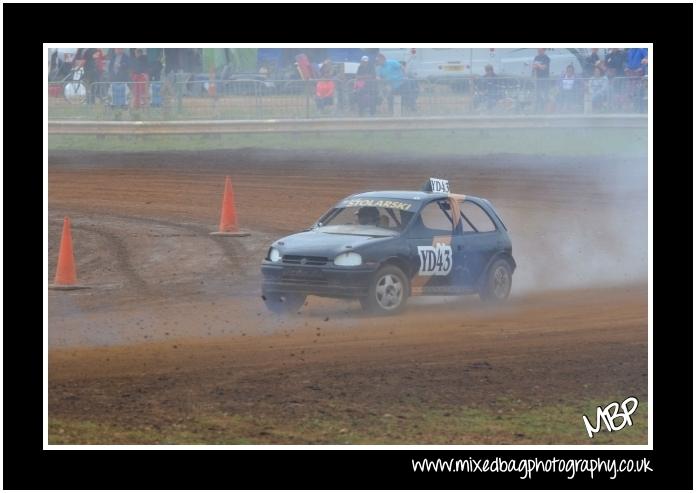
269, 57
345, 54
283, 57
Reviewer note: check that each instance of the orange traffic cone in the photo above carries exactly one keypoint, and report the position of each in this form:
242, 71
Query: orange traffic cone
66, 275
228, 216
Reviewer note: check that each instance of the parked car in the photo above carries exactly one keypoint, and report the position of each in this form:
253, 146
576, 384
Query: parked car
439, 63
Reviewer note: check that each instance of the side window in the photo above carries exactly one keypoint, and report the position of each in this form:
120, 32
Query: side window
466, 225
473, 215
433, 219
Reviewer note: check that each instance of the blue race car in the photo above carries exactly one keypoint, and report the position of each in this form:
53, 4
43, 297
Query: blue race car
382, 247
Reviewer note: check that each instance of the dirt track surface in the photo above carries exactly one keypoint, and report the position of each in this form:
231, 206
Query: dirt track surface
174, 322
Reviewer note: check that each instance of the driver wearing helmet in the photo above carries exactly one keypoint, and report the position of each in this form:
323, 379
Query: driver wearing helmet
368, 216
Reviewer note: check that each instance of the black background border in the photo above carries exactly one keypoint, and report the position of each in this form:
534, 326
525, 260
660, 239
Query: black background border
26, 465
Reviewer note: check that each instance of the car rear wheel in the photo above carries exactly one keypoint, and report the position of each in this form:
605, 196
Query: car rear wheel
498, 281
388, 292
283, 302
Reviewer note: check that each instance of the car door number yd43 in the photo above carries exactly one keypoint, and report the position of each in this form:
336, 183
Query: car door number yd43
435, 260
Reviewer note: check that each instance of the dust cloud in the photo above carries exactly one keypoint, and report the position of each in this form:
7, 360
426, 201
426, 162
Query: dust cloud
597, 235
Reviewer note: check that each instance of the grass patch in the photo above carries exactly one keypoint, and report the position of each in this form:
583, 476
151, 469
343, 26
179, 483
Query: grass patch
505, 422
561, 142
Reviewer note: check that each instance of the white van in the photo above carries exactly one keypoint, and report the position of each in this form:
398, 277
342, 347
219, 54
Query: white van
434, 63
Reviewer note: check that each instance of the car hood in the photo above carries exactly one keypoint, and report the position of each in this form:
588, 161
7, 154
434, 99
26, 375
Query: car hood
322, 242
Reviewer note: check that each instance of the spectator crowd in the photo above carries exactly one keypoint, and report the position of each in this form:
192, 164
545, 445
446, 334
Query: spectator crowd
615, 81
376, 80
115, 69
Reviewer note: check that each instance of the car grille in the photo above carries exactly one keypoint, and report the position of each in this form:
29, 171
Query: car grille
303, 275
304, 260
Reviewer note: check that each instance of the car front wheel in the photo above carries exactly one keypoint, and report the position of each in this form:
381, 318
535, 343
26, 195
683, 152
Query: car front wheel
388, 292
283, 302
496, 286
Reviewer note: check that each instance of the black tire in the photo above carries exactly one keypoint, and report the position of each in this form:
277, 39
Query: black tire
497, 283
283, 303
388, 292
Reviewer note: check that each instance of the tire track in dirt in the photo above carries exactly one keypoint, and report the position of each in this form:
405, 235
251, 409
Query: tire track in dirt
122, 257
231, 248
228, 245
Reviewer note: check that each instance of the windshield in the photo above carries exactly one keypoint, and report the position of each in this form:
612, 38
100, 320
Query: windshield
365, 220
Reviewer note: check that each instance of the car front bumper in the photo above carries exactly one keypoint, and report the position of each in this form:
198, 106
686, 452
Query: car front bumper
330, 281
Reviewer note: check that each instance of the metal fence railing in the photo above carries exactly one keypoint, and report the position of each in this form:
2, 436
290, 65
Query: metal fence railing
186, 98
316, 125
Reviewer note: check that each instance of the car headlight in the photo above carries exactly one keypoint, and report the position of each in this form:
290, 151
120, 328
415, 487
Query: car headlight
274, 255
348, 259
